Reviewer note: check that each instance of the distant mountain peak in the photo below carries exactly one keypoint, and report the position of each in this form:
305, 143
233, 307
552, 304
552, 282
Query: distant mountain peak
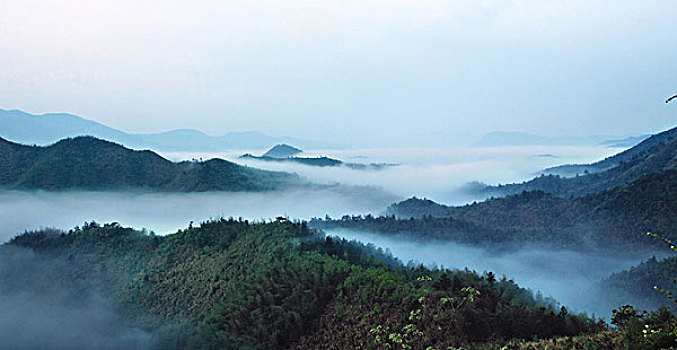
183, 132
282, 150
48, 128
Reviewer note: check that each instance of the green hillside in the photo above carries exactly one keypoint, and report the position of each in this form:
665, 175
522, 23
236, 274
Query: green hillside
232, 284
612, 220
637, 151
638, 283
87, 163
657, 153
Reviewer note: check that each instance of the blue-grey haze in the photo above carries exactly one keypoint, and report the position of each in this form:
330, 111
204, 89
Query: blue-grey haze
364, 72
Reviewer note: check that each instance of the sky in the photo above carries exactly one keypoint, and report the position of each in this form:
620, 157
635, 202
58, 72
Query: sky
385, 70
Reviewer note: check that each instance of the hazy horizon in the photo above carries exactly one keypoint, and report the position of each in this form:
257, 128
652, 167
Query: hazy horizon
437, 139
415, 72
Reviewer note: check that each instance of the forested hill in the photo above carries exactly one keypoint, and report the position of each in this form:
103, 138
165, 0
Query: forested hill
638, 283
615, 219
657, 153
639, 150
88, 163
282, 151
234, 284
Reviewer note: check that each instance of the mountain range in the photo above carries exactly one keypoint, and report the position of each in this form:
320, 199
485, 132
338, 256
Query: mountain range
235, 284
49, 128
609, 208
608, 212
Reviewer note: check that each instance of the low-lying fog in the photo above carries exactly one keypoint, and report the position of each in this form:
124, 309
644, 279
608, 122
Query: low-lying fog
434, 173
37, 312
567, 276
167, 212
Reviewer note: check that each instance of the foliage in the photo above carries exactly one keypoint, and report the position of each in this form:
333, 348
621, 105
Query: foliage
87, 163
232, 284
650, 284
608, 220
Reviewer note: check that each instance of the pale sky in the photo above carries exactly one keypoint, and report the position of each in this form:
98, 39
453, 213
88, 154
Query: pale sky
345, 69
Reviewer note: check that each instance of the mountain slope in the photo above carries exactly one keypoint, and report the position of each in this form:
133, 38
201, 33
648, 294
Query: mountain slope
609, 210
638, 283
230, 284
612, 220
657, 153
638, 149
87, 163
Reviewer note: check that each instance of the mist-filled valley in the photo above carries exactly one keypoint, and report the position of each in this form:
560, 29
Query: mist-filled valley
165, 213
569, 277
311, 175
151, 272
42, 310
436, 173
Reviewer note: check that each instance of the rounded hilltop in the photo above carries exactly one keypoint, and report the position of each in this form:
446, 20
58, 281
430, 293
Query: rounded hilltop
282, 150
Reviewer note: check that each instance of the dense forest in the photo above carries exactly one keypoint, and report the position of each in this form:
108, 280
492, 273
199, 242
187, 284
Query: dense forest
235, 284
280, 285
644, 282
607, 212
612, 221
87, 163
